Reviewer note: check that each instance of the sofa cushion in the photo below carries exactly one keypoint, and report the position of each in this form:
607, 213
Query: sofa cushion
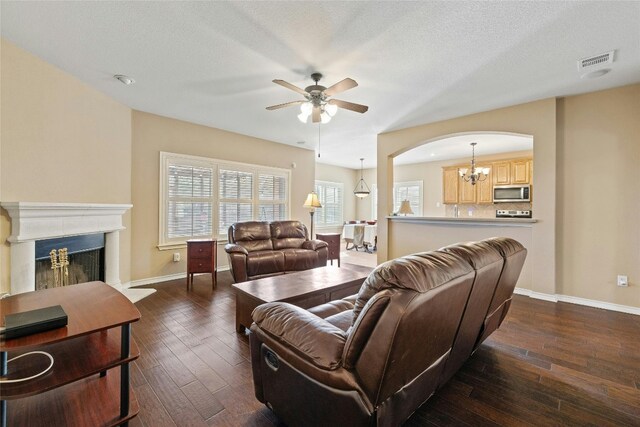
418, 272
288, 234
264, 262
299, 259
341, 320
252, 235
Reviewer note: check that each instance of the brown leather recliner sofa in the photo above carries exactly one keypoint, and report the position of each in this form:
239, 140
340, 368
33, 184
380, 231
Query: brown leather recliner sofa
260, 249
375, 357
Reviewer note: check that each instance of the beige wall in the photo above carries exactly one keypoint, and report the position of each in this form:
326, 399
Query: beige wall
537, 119
598, 217
152, 134
61, 141
348, 177
590, 144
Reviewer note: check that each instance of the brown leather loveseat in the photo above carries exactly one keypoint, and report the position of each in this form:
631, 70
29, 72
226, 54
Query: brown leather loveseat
260, 249
375, 357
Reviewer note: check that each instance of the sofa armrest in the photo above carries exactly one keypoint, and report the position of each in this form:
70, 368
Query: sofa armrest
311, 337
314, 245
233, 248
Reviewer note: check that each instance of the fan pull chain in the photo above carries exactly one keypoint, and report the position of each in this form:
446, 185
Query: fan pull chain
318, 140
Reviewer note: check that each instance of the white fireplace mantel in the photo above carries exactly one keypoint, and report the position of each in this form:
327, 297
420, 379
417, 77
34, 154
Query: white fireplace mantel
31, 221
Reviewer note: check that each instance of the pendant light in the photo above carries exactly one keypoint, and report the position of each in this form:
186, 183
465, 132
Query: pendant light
362, 189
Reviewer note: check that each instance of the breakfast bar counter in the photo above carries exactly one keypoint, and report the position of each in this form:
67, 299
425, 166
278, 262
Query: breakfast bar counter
502, 222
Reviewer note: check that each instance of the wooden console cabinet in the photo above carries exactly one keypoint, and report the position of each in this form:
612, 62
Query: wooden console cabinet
88, 384
333, 240
202, 257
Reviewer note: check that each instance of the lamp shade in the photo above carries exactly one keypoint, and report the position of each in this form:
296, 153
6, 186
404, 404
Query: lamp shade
312, 201
405, 208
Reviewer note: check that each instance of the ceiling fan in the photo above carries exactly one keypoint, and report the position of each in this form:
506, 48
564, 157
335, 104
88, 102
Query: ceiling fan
317, 102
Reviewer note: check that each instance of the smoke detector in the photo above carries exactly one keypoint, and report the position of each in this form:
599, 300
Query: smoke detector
596, 61
124, 79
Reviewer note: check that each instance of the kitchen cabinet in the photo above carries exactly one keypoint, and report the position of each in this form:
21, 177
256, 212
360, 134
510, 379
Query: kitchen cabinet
520, 171
501, 172
450, 179
485, 188
467, 194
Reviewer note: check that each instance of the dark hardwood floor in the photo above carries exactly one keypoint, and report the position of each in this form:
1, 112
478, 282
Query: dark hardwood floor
549, 364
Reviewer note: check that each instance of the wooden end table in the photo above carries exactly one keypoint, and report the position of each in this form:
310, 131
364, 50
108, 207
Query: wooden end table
305, 289
77, 391
202, 257
333, 240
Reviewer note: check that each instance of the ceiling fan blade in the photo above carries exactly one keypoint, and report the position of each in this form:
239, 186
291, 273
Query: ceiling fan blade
316, 114
358, 108
290, 86
341, 86
286, 104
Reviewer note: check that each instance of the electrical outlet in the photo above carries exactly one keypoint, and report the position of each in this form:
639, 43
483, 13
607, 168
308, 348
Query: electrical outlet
622, 280
176, 256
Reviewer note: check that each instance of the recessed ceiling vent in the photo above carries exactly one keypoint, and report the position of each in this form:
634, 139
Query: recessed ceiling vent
595, 61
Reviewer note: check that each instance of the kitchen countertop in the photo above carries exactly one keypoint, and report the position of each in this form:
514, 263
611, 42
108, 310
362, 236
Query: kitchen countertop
515, 222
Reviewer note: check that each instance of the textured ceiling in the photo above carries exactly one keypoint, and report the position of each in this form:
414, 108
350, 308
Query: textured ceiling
416, 62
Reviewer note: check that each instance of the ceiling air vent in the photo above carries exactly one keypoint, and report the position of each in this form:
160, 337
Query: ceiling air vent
595, 61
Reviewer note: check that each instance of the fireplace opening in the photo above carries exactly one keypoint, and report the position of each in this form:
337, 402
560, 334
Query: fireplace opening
69, 260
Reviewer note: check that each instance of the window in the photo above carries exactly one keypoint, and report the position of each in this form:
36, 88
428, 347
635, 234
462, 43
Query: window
332, 201
190, 200
235, 189
198, 192
412, 191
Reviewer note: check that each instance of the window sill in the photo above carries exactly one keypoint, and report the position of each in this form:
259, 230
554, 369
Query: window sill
183, 245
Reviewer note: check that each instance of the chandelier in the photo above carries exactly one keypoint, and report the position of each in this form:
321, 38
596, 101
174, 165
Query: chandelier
362, 189
476, 174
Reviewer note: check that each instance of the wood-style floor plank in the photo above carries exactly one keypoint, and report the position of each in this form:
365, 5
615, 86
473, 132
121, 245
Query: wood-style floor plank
548, 364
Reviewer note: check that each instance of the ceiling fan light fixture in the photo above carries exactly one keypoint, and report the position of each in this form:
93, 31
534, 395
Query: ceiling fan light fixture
306, 108
303, 117
325, 118
331, 109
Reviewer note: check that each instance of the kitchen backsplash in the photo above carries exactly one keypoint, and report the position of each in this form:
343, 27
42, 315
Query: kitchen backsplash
484, 211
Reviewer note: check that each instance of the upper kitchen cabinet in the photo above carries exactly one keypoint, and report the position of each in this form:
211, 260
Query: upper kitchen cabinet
501, 172
520, 171
450, 178
485, 188
457, 190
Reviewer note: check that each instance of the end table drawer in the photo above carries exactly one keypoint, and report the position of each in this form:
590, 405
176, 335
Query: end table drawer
200, 265
200, 250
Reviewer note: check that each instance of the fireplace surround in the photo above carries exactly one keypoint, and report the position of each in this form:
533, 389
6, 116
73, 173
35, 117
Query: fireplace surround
32, 221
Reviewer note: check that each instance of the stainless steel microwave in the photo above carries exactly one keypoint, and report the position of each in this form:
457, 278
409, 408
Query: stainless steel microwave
511, 193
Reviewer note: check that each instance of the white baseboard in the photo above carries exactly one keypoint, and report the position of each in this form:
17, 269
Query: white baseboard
579, 301
152, 280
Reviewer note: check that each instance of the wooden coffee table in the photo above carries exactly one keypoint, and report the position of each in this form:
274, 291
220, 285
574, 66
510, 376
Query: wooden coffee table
305, 289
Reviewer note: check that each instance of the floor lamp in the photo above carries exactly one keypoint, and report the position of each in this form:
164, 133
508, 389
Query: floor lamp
312, 203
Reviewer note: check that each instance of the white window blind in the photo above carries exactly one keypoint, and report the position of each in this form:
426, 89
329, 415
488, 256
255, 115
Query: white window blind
201, 197
331, 195
272, 196
190, 201
411, 191
235, 190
